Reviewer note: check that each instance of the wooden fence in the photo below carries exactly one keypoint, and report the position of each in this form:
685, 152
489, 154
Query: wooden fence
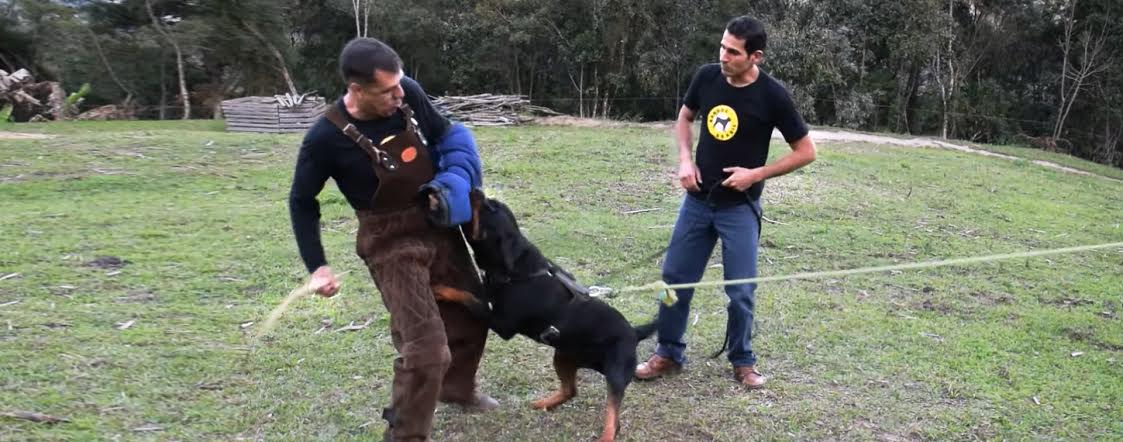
267, 114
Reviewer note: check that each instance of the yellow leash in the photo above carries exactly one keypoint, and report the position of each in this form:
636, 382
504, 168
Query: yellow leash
667, 295
297, 293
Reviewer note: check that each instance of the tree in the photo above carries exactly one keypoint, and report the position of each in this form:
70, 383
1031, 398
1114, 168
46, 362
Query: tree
1083, 57
159, 25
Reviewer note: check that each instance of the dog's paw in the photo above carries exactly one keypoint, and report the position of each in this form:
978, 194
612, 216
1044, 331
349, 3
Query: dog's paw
552, 401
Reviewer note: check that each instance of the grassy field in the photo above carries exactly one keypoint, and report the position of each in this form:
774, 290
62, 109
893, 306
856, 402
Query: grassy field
142, 252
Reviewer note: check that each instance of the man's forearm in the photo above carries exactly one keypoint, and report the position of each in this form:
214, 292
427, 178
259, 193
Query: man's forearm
802, 154
305, 217
683, 136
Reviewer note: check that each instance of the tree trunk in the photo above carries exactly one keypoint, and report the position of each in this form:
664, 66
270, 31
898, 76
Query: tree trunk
518, 87
281, 65
910, 101
178, 60
109, 68
163, 88
1093, 61
581, 93
355, 8
948, 89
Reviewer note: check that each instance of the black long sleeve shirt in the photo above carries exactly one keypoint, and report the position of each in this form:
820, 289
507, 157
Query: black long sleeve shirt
327, 153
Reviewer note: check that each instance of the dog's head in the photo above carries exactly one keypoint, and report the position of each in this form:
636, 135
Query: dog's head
494, 235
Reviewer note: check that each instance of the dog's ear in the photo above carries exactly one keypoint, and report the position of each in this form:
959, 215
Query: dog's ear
476, 198
511, 247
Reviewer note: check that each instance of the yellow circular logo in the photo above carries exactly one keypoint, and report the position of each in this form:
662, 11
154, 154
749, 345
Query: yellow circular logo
722, 122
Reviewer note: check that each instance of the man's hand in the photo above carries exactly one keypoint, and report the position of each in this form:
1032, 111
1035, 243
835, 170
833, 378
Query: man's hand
742, 178
324, 282
688, 176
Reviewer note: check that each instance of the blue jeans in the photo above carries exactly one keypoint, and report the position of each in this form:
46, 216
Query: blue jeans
696, 232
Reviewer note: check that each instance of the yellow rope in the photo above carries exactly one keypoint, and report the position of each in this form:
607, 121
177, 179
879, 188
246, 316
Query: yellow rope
667, 290
297, 293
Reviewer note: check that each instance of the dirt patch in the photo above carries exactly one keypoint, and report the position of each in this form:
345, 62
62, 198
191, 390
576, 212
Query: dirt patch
991, 299
1088, 336
108, 263
137, 296
835, 136
1068, 302
4, 135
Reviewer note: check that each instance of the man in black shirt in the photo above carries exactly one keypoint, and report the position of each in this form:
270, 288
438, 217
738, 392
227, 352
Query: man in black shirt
407, 172
740, 104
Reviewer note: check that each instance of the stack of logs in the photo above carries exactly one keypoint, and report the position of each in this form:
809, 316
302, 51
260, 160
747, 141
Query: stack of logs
31, 100
490, 109
34, 101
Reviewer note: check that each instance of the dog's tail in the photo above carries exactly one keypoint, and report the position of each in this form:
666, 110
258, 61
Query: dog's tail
646, 330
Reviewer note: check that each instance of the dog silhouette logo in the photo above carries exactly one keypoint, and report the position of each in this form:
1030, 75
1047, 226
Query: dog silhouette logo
722, 122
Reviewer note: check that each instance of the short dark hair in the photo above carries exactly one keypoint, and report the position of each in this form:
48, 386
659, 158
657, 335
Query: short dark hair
751, 31
362, 56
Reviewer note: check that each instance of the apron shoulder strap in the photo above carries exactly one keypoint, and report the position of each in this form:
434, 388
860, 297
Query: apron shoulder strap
377, 156
412, 125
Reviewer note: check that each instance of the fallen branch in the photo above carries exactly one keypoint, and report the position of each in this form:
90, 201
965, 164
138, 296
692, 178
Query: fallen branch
765, 218
9, 276
633, 212
353, 327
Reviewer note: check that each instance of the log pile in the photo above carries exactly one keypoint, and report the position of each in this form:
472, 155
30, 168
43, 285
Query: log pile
277, 114
490, 109
30, 100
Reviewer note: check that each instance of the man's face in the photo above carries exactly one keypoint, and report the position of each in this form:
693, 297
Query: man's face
382, 97
735, 61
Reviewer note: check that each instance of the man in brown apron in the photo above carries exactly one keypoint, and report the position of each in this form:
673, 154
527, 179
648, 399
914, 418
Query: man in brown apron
409, 197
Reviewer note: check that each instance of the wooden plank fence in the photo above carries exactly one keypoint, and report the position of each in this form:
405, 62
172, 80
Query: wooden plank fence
266, 114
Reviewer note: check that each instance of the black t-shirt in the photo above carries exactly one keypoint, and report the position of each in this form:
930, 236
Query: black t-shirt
327, 153
737, 124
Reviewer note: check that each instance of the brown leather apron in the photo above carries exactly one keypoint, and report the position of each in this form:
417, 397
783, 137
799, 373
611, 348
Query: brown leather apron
439, 344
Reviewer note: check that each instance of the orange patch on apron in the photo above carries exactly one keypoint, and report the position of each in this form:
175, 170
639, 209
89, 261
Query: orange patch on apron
409, 154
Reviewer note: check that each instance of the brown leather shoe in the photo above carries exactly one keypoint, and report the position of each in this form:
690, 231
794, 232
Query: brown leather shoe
656, 366
749, 377
481, 403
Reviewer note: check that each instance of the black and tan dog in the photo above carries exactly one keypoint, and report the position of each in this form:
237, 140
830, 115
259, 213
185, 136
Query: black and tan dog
526, 294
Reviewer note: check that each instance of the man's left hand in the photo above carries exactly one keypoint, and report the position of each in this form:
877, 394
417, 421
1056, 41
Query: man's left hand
742, 178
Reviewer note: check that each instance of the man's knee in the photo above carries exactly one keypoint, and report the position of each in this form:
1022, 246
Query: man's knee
676, 274
430, 353
741, 296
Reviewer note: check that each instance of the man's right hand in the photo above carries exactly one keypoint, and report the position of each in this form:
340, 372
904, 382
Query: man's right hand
323, 282
688, 176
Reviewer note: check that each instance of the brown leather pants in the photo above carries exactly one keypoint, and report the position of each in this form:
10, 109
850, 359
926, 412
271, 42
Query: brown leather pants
439, 344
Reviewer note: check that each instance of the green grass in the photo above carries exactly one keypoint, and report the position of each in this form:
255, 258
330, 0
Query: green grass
83, 127
201, 218
1031, 153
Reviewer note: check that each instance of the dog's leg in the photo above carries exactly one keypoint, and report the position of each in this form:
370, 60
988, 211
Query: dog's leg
612, 408
449, 294
566, 368
618, 372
